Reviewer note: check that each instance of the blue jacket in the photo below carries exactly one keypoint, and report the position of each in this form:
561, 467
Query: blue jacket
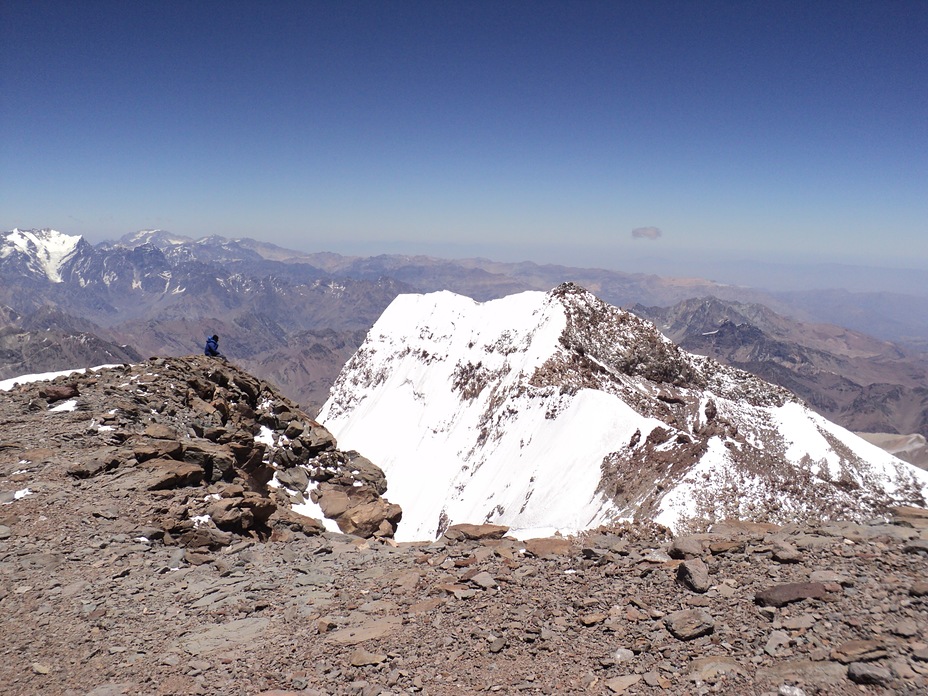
212, 347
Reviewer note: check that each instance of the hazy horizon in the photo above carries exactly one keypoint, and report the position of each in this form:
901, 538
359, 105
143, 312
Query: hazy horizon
767, 274
666, 135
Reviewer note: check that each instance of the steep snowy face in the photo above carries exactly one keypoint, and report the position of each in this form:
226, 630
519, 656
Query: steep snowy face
556, 411
42, 252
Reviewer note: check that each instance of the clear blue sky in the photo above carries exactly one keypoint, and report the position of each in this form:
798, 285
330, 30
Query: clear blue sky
518, 130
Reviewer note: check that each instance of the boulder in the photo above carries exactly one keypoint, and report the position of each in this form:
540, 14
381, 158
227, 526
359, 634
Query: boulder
333, 501
315, 438
295, 478
148, 448
296, 522
685, 547
97, 462
784, 552
919, 546
547, 547
59, 392
781, 595
217, 461
688, 624
248, 385
261, 507
367, 519
476, 531
252, 511
228, 514
160, 431
206, 538
170, 473
367, 471
867, 673
694, 574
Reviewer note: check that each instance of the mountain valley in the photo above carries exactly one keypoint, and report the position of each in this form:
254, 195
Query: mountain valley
295, 317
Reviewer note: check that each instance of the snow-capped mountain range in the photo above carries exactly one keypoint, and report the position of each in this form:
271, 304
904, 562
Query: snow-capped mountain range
283, 319
294, 318
153, 272
42, 253
557, 411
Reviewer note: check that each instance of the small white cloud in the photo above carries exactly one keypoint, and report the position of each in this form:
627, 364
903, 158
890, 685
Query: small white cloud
646, 233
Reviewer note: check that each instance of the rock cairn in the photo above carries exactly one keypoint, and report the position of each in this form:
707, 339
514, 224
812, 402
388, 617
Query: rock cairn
101, 593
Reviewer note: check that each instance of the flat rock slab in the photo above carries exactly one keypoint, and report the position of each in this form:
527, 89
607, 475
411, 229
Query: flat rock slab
547, 547
919, 589
869, 673
372, 630
476, 531
781, 595
313, 578
687, 624
859, 651
733, 528
706, 668
917, 546
362, 658
113, 689
812, 673
484, 579
618, 685
224, 635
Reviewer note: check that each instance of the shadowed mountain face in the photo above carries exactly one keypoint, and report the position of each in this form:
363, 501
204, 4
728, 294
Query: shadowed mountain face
164, 294
294, 318
48, 340
856, 380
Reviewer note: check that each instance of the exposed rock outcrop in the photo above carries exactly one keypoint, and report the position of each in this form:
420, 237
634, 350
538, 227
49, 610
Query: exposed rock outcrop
215, 446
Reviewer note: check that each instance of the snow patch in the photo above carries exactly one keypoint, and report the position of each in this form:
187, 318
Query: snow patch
7, 384
265, 436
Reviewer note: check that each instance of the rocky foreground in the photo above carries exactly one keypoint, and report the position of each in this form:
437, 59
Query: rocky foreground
143, 552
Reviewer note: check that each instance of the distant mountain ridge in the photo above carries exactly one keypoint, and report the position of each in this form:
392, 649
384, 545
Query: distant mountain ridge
163, 294
28, 345
559, 411
863, 383
295, 317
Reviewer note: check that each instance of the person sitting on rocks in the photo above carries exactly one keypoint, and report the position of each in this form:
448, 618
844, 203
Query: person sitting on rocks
212, 347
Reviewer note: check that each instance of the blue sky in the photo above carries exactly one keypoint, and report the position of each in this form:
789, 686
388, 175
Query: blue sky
545, 131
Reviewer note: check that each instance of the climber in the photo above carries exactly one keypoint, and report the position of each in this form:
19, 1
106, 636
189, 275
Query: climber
212, 347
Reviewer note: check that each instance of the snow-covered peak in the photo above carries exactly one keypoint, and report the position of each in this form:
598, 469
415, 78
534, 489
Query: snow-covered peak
157, 238
46, 249
556, 411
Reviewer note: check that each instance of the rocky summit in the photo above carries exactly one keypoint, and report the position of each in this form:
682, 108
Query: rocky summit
149, 544
559, 411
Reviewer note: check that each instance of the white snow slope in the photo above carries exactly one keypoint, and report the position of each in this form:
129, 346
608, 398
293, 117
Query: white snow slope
557, 412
